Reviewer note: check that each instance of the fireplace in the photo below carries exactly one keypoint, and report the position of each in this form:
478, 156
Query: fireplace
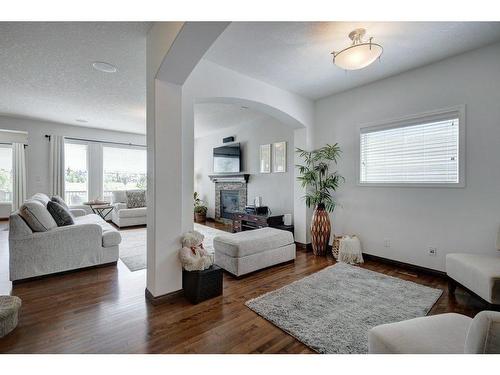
229, 203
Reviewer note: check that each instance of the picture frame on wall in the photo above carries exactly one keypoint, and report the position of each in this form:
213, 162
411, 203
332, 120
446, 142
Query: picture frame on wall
279, 157
265, 158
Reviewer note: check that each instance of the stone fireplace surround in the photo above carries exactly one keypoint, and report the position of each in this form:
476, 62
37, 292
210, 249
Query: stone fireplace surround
240, 187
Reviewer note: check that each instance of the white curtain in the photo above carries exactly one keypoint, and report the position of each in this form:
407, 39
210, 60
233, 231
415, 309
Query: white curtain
19, 174
56, 165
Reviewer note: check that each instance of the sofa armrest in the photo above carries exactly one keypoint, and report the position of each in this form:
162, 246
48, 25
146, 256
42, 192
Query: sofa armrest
119, 206
77, 212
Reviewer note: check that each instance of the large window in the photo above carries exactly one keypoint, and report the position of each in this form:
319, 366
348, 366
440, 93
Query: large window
5, 173
76, 173
124, 169
423, 150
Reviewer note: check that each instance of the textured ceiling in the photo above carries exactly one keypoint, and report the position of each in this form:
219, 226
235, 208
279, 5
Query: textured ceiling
210, 117
46, 73
296, 55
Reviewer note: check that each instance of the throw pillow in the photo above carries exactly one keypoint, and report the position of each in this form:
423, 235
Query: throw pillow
136, 198
41, 197
60, 214
37, 216
58, 199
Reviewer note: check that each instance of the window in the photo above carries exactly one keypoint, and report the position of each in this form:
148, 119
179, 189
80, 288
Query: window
5, 173
423, 150
124, 168
76, 173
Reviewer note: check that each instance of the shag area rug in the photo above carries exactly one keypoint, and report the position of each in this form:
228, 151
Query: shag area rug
332, 310
133, 245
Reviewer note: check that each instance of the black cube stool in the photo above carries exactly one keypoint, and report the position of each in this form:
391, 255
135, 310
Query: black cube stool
202, 285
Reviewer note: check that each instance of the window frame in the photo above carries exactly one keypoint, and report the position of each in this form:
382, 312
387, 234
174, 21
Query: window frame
9, 146
457, 111
87, 161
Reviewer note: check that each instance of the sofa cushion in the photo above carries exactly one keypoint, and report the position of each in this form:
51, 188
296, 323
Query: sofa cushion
41, 197
136, 198
110, 236
37, 216
253, 241
132, 212
483, 336
58, 199
60, 214
443, 334
478, 272
119, 196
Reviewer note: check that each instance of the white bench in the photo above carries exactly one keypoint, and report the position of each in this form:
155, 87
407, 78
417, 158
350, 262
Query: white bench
249, 251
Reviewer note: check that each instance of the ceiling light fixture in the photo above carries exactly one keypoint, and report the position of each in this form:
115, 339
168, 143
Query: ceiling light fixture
104, 67
359, 54
81, 120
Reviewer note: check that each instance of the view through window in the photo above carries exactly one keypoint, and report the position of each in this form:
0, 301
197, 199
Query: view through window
76, 173
124, 169
5, 173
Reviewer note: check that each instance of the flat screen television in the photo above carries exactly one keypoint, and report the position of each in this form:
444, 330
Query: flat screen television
227, 159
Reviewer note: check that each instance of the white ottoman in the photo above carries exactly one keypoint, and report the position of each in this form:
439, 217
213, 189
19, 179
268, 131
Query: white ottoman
249, 251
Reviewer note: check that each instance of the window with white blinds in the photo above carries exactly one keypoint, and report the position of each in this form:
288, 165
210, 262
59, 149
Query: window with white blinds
423, 152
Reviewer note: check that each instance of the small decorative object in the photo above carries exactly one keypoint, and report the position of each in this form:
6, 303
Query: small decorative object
265, 158
335, 246
320, 183
200, 210
279, 157
350, 250
9, 313
193, 255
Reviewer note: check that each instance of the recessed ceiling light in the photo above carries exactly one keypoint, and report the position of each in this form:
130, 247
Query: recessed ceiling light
104, 67
81, 120
244, 107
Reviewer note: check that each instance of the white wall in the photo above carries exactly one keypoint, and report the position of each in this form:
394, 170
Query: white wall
37, 153
276, 189
413, 219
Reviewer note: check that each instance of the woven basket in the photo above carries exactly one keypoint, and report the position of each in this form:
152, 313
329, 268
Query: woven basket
335, 246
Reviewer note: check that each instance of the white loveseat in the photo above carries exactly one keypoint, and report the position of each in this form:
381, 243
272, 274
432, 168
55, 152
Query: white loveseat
123, 216
90, 241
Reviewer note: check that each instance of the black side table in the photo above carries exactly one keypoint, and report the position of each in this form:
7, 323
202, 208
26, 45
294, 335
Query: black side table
199, 286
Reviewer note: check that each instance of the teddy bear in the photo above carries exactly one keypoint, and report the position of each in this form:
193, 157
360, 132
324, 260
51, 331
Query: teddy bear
193, 256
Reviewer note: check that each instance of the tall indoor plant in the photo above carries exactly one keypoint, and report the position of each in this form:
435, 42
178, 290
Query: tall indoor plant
320, 184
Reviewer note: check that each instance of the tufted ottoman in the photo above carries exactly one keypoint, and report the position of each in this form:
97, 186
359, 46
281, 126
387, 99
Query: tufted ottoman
9, 313
249, 251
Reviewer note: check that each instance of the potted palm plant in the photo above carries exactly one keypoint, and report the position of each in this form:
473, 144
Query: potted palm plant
320, 184
200, 210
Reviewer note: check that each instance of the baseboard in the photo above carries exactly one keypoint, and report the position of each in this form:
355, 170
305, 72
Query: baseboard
397, 263
164, 297
303, 246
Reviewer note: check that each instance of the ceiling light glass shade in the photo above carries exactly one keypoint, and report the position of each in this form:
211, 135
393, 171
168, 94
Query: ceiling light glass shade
104, 67
359, 55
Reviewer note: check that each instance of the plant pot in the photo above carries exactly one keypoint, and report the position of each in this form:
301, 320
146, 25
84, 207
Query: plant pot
200, 218
320, 230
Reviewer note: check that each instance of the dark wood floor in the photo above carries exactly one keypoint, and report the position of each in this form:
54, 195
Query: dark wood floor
104, 310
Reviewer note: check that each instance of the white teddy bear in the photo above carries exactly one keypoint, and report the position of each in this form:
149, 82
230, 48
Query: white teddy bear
193, 256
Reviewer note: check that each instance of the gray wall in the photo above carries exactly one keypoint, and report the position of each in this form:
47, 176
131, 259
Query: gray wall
276, 189
37, 153
414, 219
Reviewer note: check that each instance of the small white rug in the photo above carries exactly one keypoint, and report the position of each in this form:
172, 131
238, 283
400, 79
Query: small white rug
332, 310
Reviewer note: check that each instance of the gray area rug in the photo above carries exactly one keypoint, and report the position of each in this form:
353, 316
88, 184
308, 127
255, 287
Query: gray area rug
133, 245
332, 310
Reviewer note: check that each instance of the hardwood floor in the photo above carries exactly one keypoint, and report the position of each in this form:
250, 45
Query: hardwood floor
104, 310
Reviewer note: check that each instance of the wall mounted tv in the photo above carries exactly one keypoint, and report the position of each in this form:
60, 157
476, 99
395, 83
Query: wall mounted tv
227, 159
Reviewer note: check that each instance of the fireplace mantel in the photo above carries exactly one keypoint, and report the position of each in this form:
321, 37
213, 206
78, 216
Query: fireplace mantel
230, 177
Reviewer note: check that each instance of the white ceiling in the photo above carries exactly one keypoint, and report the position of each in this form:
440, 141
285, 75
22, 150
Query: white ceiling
296, 55
210, 117
46, 73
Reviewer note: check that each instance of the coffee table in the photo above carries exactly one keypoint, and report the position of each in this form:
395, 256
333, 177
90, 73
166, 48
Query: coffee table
103, 209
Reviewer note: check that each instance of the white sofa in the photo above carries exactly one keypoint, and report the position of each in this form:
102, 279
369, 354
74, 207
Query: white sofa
480, 273
123, 216
90, 241
438, 334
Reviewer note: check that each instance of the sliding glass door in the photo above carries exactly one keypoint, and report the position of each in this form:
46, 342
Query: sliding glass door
76, 173
124, 168
5, 173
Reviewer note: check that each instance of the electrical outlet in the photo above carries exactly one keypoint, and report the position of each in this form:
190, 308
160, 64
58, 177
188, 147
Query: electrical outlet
387, 243
433, 251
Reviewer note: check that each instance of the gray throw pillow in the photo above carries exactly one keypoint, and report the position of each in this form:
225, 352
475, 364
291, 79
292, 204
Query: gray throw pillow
37, 216
60, 214
136, 198
58, 199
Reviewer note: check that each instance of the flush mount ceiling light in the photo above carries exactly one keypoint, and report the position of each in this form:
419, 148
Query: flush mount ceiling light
104, 67
359, 54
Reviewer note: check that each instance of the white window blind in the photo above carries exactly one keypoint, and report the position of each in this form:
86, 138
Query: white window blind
421, 153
